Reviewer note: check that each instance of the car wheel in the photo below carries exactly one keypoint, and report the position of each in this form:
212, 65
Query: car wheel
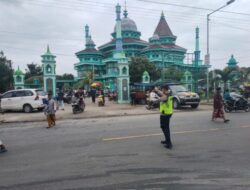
27, 108
194, 106
176, 104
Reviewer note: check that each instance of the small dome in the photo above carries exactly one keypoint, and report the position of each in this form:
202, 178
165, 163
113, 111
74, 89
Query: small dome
128, 25
145, 73
232, 61
154, 37
91, 42
18, 72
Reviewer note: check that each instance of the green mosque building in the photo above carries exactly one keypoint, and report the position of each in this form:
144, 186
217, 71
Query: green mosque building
109, 63
161, 50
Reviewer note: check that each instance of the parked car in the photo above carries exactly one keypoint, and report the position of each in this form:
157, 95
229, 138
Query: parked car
23, 99
183, 97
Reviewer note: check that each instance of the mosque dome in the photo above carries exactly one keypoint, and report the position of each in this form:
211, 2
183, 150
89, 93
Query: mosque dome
18, 72
128, 25
232, 62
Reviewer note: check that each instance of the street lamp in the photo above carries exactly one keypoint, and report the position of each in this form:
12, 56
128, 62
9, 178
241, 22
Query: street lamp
207, 57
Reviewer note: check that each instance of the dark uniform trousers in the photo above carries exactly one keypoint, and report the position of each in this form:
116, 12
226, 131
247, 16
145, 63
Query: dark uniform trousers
165, 120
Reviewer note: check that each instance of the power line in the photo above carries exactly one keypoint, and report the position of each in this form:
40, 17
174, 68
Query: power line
192, 7
183, 17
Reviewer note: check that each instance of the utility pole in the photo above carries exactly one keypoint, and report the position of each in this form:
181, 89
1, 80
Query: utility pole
207, 57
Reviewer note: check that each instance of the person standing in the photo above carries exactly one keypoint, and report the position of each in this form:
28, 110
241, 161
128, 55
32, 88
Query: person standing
166, 111
60, 99
2, 147
93, 94
218, 106
50, 110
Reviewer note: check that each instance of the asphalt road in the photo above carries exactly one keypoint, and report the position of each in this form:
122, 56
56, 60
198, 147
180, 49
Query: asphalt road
125, 153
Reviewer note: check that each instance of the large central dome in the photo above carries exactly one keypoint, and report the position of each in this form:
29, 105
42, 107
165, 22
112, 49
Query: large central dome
127, 25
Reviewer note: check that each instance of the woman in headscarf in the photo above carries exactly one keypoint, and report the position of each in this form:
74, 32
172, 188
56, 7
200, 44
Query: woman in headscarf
218, 106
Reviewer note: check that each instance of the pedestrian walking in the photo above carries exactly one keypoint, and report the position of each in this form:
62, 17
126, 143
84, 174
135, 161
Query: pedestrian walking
218, 106
60, 99
2, 147
93, 94
166, 111
50, 110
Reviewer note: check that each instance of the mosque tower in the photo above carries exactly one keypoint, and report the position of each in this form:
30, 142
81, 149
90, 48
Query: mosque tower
122, 62
49, 71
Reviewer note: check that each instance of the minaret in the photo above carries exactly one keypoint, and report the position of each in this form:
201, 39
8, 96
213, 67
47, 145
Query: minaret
119, 49
49, 71
19, 79
197, 51
89, 43
122, 62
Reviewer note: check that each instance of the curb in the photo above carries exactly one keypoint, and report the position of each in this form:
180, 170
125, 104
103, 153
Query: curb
78, 118
90, 117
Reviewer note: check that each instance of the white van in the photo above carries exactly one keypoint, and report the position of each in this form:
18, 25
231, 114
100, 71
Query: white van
23, 99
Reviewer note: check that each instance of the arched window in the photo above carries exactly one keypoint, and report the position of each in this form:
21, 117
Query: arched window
18, 79
124, 70
48, 69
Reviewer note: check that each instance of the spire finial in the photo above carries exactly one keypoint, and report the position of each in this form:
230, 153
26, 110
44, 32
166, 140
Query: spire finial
48, 50
86, 30
162, 15
125, 13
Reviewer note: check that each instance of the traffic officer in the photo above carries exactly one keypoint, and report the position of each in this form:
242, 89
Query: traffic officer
166, 110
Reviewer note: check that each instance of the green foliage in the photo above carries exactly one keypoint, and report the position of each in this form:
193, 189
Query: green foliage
79, 84
6, 73
66, 86
65, 77
33, 70
173, 74
31, 80
140, 64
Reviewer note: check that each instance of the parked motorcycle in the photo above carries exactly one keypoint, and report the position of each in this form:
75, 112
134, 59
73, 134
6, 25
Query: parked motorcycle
78, 106
241, 104
152, 105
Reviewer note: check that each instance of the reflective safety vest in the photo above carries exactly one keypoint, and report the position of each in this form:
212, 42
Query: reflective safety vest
166, 107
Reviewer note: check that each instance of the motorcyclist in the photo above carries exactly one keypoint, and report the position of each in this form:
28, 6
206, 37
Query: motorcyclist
232, 97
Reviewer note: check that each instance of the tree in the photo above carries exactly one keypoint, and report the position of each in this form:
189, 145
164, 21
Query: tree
65, 76
172, 73
33, 70
140, 64
6, 73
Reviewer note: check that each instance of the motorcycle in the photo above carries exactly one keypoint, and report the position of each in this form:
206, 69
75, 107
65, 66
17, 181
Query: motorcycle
152, 105
241, 104
78, 106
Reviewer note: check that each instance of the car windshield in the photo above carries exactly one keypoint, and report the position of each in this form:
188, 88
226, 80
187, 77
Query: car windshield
40, 93
178, 88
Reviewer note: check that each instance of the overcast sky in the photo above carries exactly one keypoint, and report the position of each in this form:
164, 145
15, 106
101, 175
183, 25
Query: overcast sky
27, 26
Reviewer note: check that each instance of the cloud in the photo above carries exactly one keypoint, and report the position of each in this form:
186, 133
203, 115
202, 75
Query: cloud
28, 26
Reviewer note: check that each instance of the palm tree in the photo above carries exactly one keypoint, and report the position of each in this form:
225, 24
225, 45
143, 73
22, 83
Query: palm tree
225, 75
